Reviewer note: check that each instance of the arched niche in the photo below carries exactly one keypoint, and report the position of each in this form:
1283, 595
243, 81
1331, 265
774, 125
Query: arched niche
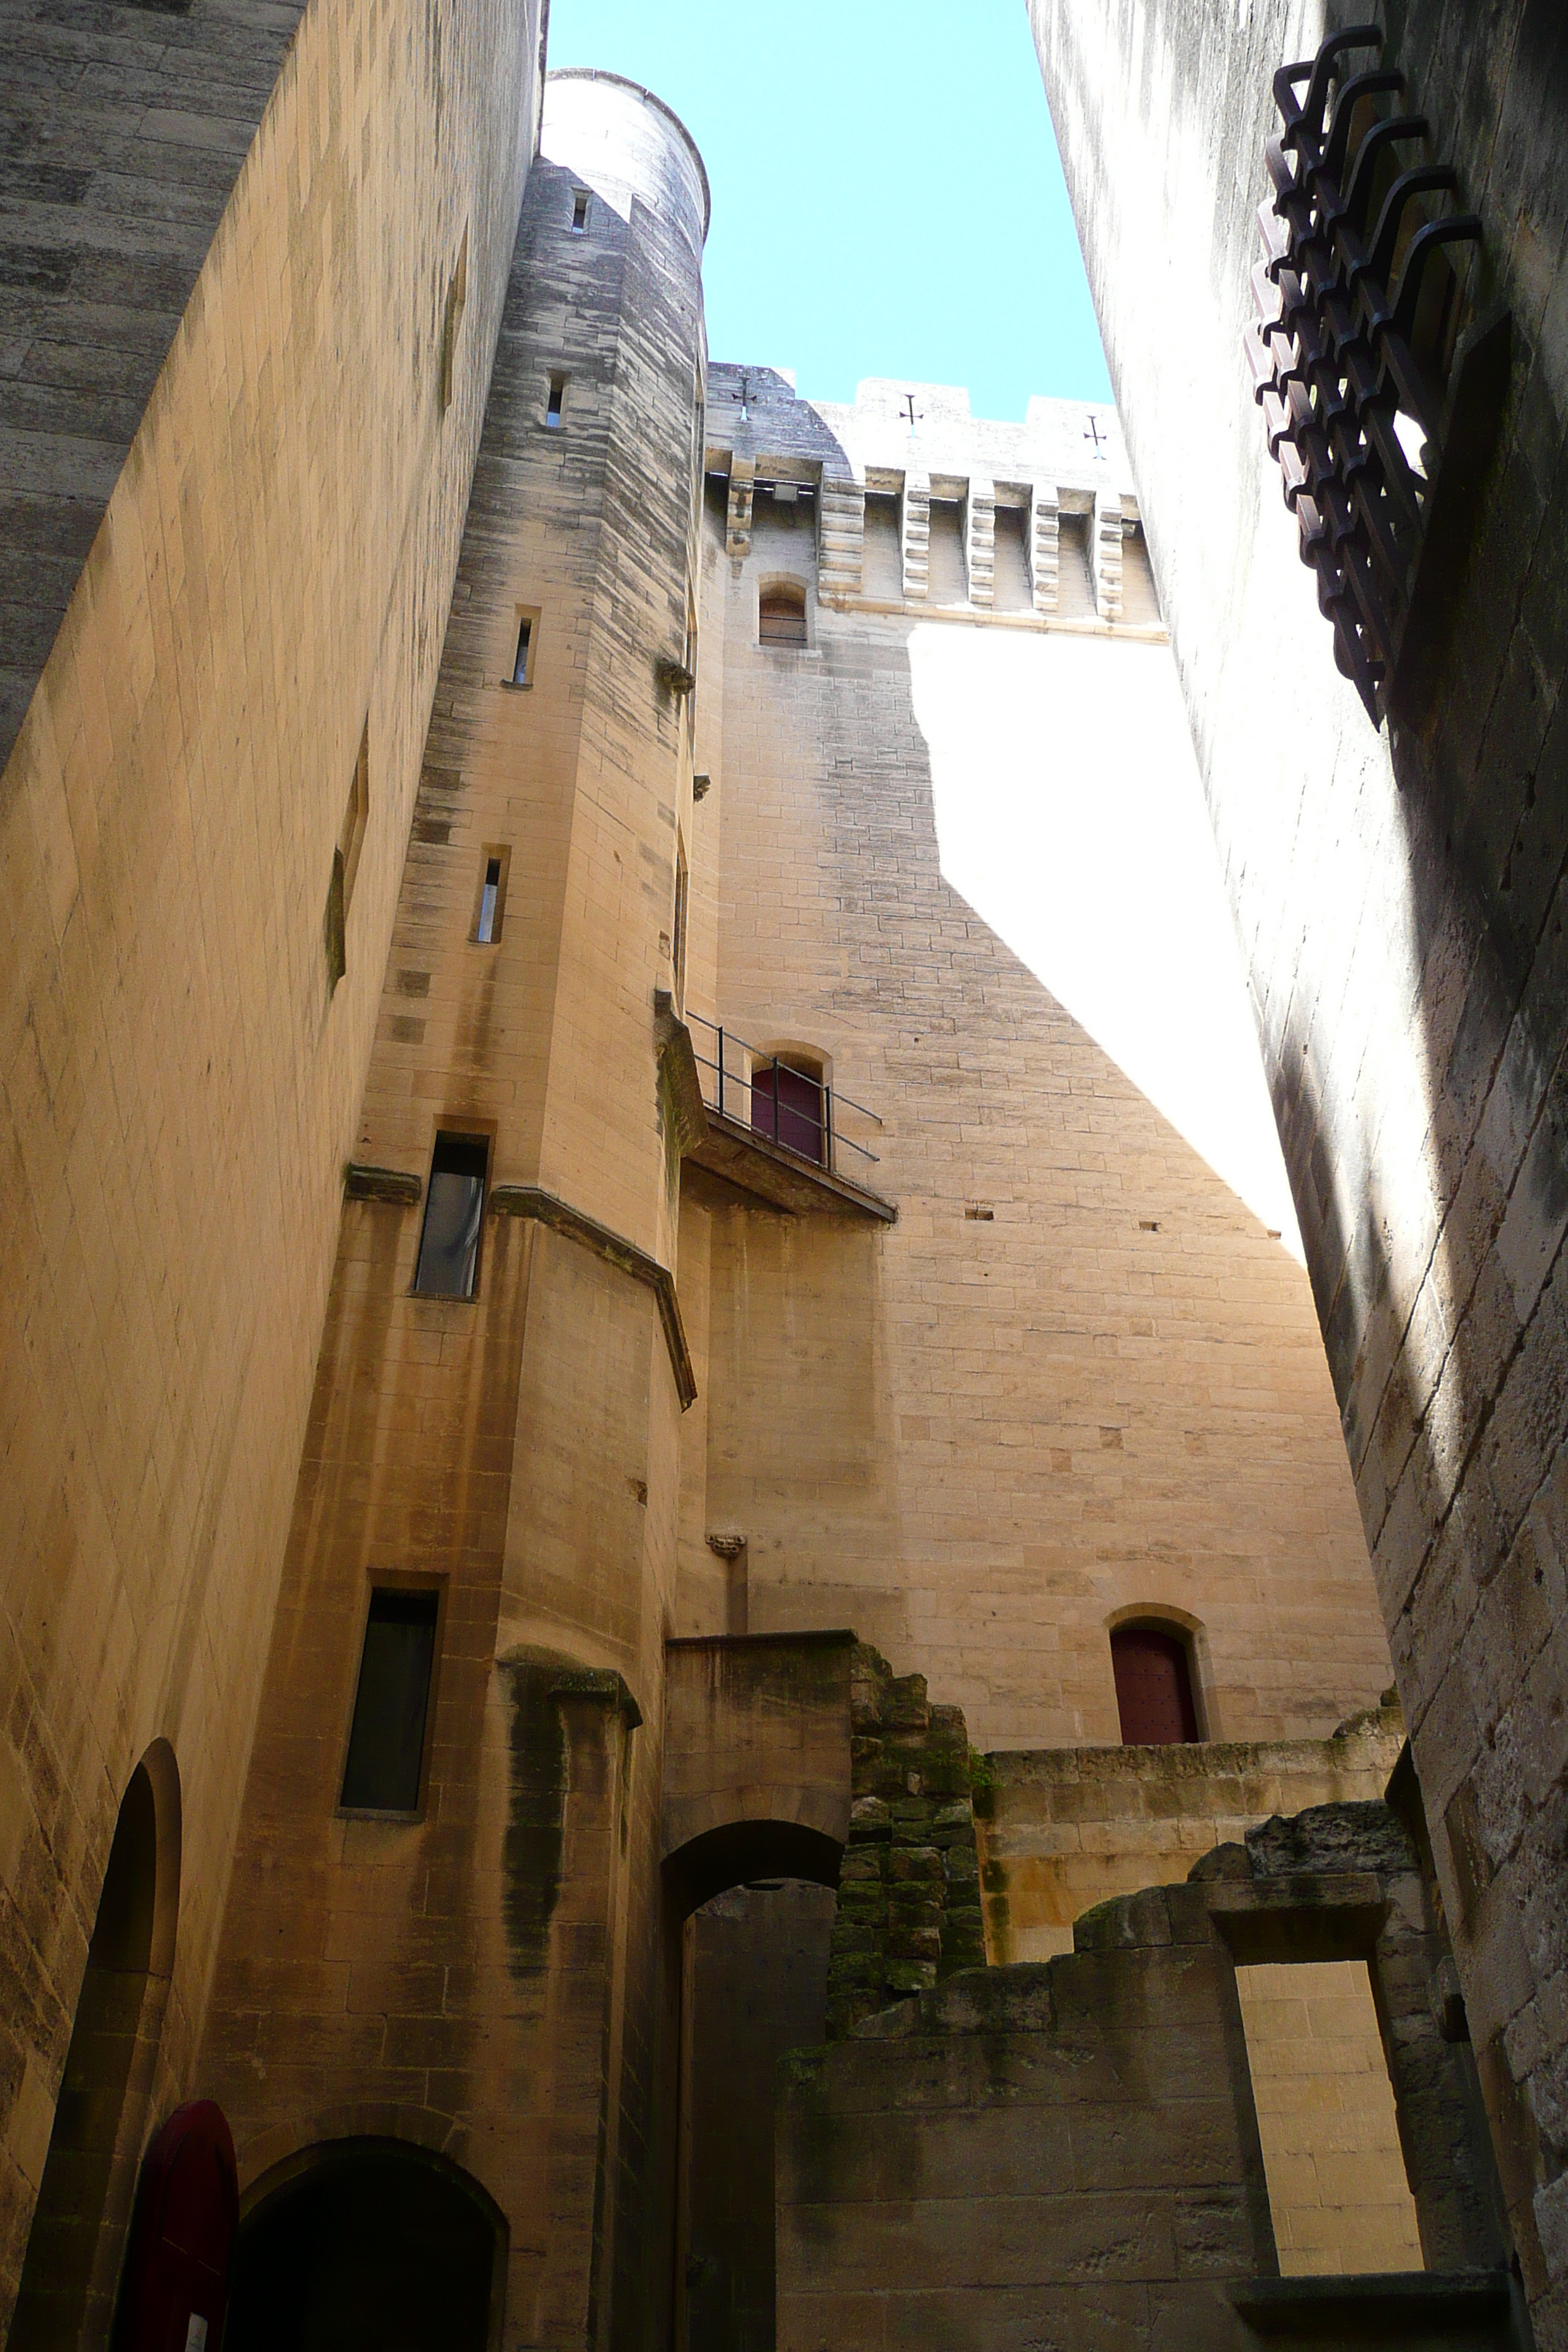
366, 2242
74, 2248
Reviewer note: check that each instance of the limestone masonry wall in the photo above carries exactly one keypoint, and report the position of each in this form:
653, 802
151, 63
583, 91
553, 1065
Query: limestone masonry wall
1077, 1376
486, 1979
1063, 1829
1400, 895
266, 591
1074, 2149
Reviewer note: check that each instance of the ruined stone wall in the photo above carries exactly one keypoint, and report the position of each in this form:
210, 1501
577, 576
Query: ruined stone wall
1076, 1376
263, 584
1400, 899
1030, 2151
484, 1979
1073, 2150
1062, 1829
909, 1886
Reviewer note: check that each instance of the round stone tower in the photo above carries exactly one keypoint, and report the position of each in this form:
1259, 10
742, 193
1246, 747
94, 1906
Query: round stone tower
497, 1447
627, 144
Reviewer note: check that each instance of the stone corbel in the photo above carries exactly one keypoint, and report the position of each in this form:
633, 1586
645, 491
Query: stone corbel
395, 1185
738, 521
914, 537
840, 537
1107, 528
680, 1084
1044, 545
980, 540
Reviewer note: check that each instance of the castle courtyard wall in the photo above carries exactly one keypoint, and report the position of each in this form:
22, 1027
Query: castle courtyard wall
487, 1980
1400, 895
976, 1438
265, 588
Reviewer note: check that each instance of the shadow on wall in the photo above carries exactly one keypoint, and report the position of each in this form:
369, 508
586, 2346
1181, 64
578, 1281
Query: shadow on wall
1435, 1200
79, 2222
1084, 843
363, 2242
1405, 900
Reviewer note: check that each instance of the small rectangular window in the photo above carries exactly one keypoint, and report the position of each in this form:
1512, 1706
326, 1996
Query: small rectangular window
519, 672
580, 212
556, 400
488, 893
454, 1208
489, 911
387, 1744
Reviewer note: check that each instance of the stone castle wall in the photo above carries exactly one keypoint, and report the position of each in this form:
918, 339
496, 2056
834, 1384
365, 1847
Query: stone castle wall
486, 1979
1075, 2148
1076, 1376
263, 584
1063, 1829
1400, 895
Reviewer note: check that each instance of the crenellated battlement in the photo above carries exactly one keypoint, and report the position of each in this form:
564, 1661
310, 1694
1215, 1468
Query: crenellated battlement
1035, 523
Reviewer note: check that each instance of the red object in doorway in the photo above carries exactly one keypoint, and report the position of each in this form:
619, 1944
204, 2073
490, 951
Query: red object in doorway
175, 2284
1154, 1687
786, 1106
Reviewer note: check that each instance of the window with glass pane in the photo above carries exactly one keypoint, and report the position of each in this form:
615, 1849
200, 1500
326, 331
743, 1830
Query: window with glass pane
454, 1207
386, 1744
489, 892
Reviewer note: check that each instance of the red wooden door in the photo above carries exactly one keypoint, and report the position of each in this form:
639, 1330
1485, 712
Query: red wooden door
176, 2283
1154, 1687
786, 1106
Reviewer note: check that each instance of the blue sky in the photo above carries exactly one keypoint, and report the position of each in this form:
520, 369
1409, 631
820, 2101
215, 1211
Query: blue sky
887, 197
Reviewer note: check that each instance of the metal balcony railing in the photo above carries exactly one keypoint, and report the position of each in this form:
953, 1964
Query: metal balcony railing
788, 1107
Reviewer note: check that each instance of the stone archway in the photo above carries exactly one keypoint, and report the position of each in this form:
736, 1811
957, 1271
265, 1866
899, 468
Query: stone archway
74, 2248
368, 2244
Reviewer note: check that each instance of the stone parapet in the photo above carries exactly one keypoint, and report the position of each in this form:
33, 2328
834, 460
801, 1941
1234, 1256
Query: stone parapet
919, 442
1061, 1829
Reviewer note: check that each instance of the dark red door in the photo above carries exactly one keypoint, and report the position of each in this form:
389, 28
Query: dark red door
786, 1106
1154, 1687
176, 2283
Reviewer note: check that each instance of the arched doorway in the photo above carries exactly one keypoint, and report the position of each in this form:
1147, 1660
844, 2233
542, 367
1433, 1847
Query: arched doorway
756, 1904
368, 2245
67, 2290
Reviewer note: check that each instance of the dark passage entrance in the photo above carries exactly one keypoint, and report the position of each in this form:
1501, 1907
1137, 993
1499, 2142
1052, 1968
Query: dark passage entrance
755, 1985
79, 2223
369, 2246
